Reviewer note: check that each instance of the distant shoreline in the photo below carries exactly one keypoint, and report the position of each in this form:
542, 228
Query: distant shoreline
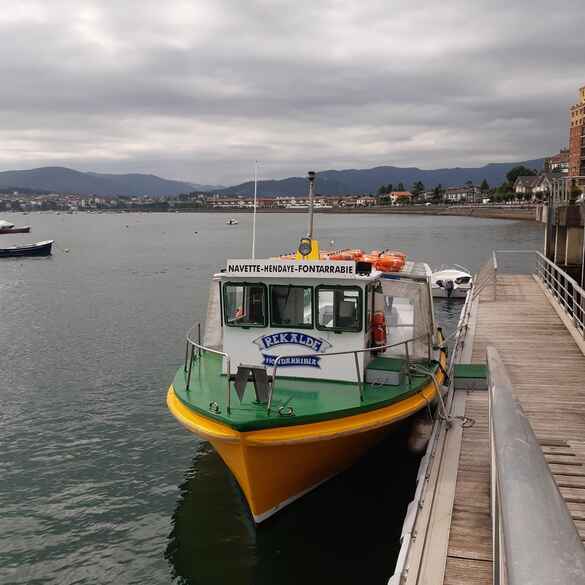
523, 213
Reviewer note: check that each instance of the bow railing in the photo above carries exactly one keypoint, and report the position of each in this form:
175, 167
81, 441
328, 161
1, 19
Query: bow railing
355, 352
190, 348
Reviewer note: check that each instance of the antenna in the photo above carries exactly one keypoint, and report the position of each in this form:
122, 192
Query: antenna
254, 217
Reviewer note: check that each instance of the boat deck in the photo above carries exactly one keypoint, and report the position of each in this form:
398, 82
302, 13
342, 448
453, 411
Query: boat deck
547, 371
311, 400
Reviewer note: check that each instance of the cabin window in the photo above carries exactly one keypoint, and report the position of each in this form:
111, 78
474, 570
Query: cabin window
399, 312
339, 308
244, 304
291, 306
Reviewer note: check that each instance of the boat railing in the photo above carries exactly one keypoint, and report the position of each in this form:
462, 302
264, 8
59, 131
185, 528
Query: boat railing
354, 352
190, 348
195, 348
534, 537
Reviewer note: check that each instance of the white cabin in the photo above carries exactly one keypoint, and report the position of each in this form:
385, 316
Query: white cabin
263, 309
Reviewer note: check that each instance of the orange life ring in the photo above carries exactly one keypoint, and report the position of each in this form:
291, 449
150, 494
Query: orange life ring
379, 328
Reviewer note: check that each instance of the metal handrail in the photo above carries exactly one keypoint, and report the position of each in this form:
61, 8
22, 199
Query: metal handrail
347, 352
568, 277
202, 348
565, 289
534, 537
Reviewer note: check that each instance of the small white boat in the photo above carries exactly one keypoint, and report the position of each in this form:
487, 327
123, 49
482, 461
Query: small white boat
451, 282
231, 221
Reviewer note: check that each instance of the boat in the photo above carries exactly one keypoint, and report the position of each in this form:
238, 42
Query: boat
9, 228
451, 282
231, 221
36, 249
306, 362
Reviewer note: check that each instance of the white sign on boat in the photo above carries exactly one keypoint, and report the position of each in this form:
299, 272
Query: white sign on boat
293, 268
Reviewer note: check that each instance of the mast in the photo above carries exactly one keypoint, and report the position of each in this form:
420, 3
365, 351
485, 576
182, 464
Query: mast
254, 217
308, 247
311, 177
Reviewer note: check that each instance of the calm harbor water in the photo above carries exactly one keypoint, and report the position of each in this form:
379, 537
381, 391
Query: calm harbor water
98, 483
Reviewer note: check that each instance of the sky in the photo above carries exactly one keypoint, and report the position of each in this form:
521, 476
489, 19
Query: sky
198, 90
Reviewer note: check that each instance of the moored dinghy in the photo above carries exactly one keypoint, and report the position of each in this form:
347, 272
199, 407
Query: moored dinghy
306, 363
9, 228
36, 249
451, 282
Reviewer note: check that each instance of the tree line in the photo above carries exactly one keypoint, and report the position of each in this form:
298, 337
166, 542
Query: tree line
503, 192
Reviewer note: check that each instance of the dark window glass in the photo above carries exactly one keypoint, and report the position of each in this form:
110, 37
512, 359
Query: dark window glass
291, 306
244, 305
339, 308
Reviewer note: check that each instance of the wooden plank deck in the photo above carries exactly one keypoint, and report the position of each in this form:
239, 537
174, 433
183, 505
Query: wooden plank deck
547, 370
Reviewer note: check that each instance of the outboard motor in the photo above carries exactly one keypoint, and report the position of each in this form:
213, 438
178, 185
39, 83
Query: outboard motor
449, 287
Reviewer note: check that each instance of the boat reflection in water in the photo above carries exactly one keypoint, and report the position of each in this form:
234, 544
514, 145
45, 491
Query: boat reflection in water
346, 531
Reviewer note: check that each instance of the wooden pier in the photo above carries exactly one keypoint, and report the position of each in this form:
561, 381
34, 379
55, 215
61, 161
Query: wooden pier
451, 539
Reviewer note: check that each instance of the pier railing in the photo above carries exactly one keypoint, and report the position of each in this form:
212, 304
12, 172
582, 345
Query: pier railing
569, 295
534, 537
565, 289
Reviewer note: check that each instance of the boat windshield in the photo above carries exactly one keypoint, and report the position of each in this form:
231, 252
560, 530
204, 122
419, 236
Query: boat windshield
339, 308
291, 306
245, 305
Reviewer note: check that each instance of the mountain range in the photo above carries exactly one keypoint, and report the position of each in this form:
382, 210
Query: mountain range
369, 180
329, 183
64, 180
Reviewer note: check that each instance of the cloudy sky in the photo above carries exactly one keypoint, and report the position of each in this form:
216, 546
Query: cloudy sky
199, 89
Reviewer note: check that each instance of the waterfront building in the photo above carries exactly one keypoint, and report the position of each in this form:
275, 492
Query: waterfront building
557, 163
401, 197
539, 186
464, 194
577, 137
543, 186
525, 185
564, 211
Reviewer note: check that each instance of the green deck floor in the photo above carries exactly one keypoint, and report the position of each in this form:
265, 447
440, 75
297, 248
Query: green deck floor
311, 400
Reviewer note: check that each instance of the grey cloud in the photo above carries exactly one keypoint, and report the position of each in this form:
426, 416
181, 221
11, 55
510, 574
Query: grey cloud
199, 90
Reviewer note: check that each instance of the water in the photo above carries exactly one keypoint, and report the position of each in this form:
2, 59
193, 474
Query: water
98, 483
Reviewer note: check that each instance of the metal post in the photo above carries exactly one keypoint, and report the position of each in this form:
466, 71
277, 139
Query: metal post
311, 177
429, 342
275, 367
199, 339
190, 368
408, 366
359, 377
255, 206
186, 356
229, 393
